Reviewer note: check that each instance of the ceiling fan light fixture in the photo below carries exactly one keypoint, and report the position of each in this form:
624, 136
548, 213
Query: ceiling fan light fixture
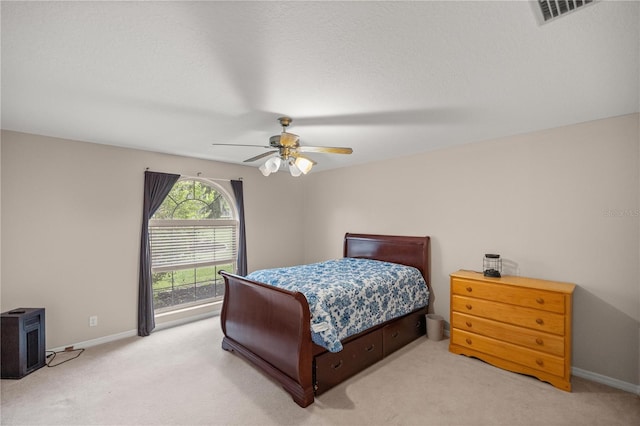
304, 164
264, 170
293, 169
270, 166
273, 164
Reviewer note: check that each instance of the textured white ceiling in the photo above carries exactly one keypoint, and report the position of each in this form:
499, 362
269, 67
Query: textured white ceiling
386, 78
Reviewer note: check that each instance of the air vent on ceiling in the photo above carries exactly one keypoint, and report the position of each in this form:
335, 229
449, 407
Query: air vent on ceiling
552, 9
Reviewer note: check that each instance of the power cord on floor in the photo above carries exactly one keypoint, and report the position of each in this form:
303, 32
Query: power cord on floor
52, 355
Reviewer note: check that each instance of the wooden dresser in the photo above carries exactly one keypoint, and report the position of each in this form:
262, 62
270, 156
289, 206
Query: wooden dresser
516, 323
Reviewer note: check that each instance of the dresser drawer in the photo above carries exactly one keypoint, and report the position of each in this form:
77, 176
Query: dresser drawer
332, 368
526, 317
529, 358
527, 297
533, 339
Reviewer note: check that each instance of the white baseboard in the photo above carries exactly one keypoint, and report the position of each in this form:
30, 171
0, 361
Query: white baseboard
98, 341
133, 333
605, 380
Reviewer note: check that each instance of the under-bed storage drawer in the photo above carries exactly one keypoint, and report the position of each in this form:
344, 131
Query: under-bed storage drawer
403, 331
332, 368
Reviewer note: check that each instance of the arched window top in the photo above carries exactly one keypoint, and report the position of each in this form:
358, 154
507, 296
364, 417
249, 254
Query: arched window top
193, 199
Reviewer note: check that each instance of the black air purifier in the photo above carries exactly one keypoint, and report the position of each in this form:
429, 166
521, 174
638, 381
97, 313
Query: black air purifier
23, 342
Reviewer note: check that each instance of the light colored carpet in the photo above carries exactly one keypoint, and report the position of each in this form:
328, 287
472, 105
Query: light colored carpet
181, 376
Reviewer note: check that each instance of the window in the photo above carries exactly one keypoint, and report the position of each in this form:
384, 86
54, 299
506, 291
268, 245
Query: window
193, 235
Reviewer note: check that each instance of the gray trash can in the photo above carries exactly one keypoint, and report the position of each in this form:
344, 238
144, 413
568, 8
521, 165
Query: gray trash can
435, 327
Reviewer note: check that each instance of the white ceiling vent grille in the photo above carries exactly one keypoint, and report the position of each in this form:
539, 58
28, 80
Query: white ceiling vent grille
552, 9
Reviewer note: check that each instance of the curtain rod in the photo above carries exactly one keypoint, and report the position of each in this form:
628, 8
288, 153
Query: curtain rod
199, 175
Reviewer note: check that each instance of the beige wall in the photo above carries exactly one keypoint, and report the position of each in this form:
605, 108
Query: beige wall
71, 217
560, 204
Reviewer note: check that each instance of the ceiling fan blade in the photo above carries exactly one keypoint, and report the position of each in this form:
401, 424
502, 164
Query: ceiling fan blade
257, 157
236, 144
328, 149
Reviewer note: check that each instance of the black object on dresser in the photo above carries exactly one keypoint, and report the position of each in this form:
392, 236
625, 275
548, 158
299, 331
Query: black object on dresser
23, 342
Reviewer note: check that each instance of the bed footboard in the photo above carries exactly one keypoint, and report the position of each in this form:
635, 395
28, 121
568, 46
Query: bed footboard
269, 327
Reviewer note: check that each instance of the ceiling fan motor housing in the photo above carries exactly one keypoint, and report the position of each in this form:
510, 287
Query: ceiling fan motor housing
274, 141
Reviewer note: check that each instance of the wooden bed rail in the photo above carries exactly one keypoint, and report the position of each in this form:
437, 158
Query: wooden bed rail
269, 327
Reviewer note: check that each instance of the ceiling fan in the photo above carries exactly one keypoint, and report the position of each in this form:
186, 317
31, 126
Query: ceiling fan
289, 152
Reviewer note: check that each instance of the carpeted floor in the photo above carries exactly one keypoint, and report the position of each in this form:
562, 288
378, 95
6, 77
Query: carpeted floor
181, 376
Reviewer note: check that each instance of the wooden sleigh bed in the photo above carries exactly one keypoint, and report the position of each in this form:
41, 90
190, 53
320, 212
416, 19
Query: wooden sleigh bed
270, 326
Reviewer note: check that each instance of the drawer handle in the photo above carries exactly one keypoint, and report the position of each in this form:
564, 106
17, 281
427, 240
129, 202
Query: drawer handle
539, 341
539, 321
469, 289
540, 362
419, 324
540, 300
395, 334
336, 366
468, 341
370, 348
468, 324
469, 307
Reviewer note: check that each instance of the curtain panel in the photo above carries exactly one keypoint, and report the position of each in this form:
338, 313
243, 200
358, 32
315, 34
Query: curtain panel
156, 188
238, 192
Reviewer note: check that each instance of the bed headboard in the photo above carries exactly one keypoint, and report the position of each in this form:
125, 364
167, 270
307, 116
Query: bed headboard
410, 251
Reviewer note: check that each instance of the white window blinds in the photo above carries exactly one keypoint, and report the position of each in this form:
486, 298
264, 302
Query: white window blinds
180, 244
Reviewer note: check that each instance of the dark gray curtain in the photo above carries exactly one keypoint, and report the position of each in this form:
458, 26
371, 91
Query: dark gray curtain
242, 238
156, 188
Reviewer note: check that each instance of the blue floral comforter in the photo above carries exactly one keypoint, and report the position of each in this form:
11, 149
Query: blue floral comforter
347, 296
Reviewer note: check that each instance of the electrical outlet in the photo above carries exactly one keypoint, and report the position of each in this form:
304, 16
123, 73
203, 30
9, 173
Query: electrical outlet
93, 321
